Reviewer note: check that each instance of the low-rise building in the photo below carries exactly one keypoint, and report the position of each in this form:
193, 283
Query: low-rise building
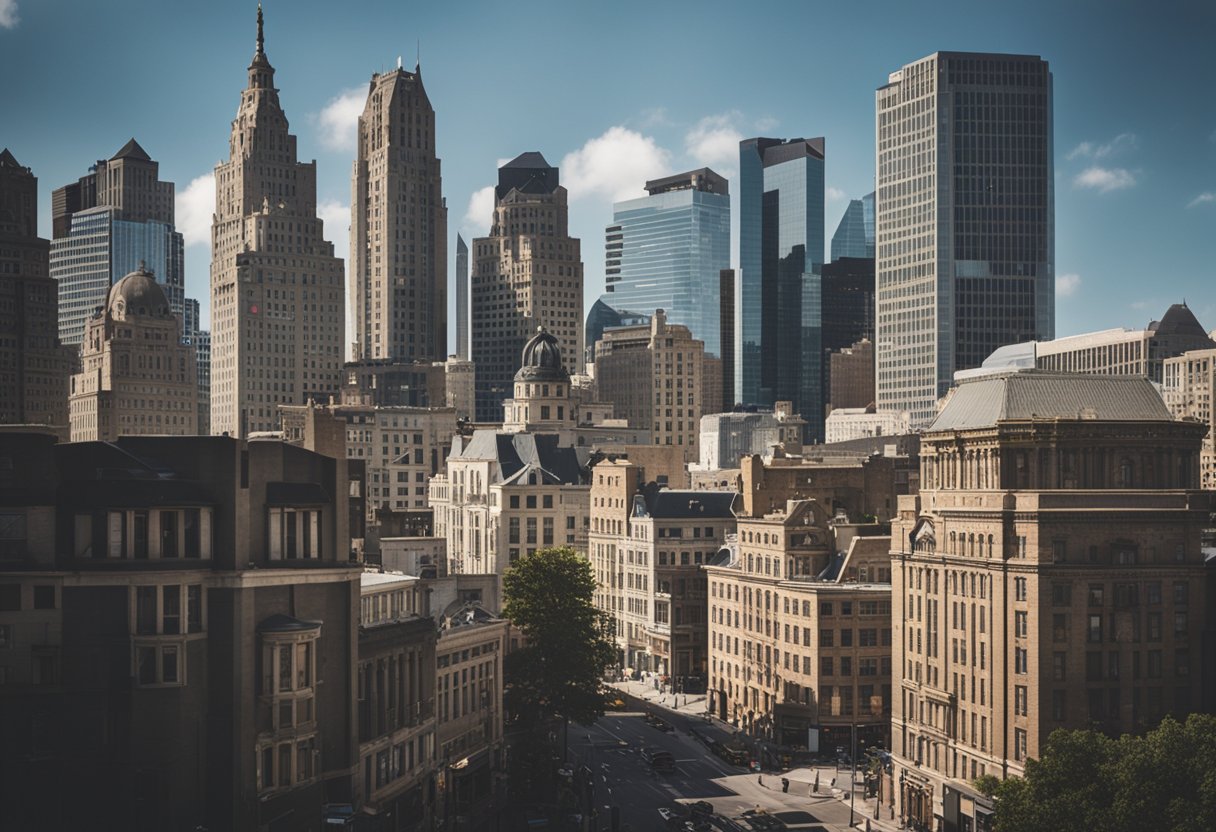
725, 438
800, 629
844, 424
1187, 384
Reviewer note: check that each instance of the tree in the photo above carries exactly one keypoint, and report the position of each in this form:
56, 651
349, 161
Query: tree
568, 641
1162, 780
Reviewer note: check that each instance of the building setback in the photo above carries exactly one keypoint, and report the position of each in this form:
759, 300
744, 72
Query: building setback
780, 259
527, 273
34, 367
115, 219
666, 251
965, 224
1049, 575
655, 376
277, 315
137, 374
179, 617
398, 226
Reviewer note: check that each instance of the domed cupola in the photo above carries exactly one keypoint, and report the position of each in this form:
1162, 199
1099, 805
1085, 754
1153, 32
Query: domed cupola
542, 360
138, 294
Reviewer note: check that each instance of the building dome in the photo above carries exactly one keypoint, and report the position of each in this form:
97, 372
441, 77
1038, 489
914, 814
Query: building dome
542, 359
138, 294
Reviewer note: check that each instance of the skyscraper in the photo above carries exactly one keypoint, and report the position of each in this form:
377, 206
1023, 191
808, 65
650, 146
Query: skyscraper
398, 226
667, 250
115, 220
965, 226
780, 257
34, 367
854, 236
277, 316
528, 273
462, 299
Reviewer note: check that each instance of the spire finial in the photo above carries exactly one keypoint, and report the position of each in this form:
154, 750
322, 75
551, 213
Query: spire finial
261, 40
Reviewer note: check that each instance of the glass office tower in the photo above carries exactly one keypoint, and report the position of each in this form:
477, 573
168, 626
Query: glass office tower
780, 257
965, 228
98, 251
854, 236
667, 250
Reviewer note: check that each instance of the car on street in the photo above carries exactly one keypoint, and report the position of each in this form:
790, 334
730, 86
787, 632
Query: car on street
659, 759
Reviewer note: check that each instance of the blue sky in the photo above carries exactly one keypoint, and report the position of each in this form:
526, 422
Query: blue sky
618, 93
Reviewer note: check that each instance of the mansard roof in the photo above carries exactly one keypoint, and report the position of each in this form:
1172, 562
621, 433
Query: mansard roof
1036, 394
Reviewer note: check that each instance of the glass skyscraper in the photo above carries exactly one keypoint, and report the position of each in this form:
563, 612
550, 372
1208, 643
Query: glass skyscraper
667, 250
98, 251
854, 236
965, 226
780, 258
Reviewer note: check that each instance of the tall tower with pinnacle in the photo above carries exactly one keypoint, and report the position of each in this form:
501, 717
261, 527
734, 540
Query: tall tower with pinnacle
277, 289
398, 225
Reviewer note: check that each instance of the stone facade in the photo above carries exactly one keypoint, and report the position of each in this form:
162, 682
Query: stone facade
527, 273
34, 366
654, 375
800, 630
277, 290
852, 377
647, 546
1048, 575
1188, 382
398, 227
137, 375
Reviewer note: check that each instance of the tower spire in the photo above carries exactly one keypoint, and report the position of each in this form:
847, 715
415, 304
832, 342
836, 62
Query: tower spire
261, 40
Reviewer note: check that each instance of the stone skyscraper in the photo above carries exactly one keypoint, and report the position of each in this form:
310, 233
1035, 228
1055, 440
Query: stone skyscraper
112, 221
277, 316
462, 299
527, 273
398, 226
965, 225
33, 366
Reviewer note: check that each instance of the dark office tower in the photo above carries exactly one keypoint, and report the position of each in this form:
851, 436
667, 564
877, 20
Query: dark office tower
277, 312
398, 226
34, 367
854, 236
965, 224
848, 311
727, 337
527, 274
666, 249
780, 257
115, 220
462, 299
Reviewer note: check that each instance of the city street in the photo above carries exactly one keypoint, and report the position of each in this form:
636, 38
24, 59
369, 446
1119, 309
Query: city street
612, 749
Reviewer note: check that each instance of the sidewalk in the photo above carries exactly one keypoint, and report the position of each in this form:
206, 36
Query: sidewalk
802, 782
688, 704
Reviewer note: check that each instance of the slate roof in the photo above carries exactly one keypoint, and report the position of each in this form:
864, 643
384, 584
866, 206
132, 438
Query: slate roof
519, 453
531, 159
7, 160
1036, 394
132, 150
667, 504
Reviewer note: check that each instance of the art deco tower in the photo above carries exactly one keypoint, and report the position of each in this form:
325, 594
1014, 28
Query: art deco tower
398, 226
277, 315
527, 273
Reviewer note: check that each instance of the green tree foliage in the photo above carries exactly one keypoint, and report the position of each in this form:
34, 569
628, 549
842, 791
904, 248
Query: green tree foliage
1163, 780
568, 641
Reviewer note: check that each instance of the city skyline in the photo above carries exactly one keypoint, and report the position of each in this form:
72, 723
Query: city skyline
1143, 177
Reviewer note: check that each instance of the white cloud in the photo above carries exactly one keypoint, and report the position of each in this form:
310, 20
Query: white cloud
477, 216
833, 194
339, 120
1093, 150
614, 166
336, 217
8, 14
766, 123
193, 208
714, 140
1105, 180
1067, 285
1206, 196
652, 117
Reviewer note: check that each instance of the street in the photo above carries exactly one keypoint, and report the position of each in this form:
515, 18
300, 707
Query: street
612, 750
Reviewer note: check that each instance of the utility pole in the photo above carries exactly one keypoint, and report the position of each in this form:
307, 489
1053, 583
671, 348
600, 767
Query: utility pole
853, 775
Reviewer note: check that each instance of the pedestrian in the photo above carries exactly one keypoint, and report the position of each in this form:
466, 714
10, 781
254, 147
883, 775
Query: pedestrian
760, 779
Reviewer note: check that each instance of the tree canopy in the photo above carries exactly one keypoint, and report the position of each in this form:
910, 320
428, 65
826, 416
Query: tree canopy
1163, 780
549, 598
